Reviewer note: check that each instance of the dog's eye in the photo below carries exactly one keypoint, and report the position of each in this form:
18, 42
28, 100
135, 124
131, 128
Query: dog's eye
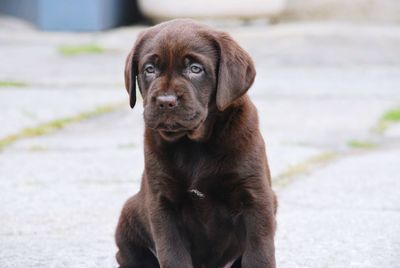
196, 68
149, 69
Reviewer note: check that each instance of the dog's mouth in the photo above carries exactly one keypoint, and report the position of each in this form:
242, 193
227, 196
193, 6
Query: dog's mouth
172, 135
176, 130
174, 123
171, 132
171, 128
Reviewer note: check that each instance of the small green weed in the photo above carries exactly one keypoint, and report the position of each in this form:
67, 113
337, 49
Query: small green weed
388, 118
12, 83
357, 144
392, 115
75, 50
54, 125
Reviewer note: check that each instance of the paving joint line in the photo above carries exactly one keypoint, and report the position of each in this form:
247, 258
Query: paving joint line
58, 124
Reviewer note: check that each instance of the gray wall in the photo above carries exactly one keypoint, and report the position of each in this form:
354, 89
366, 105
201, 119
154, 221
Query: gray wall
27, 9
385, 11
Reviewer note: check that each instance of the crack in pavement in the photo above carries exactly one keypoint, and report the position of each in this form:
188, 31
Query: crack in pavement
58, 124
321, 160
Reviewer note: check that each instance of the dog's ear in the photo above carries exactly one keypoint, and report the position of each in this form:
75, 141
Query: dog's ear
236, 71
131, 70
130, 78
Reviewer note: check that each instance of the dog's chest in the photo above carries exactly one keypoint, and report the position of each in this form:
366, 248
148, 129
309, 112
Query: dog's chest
208, 210
211, 209
209, 203
202, 188
212, 225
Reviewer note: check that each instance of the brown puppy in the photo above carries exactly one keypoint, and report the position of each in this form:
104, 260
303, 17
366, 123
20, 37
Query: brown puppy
205, 199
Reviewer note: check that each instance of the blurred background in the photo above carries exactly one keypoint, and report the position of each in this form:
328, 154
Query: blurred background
327, 91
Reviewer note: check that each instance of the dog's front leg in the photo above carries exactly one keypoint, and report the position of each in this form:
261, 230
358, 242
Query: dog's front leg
171, 248
260, 230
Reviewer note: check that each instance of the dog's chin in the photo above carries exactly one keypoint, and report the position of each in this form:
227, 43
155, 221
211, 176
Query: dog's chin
195, 133
172, 135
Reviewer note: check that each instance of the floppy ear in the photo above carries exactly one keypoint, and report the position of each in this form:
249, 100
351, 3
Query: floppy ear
131, 70
236, 71
130, 78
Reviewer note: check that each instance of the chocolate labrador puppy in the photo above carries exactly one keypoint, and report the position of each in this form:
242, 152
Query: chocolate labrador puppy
205, 199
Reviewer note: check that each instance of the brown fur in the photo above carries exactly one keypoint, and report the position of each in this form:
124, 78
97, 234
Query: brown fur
205, 200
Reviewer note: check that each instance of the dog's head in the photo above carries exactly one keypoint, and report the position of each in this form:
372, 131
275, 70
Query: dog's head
184, 71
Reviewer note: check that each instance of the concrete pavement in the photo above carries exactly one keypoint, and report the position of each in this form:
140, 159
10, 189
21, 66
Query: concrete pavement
344, 215
319, 88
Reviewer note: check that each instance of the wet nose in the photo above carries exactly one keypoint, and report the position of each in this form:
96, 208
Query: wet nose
166, 101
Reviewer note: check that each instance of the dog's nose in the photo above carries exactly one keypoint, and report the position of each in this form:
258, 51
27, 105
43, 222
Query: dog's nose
166, 101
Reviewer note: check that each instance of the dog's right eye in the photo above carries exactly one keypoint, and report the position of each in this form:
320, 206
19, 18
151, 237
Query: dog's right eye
149, 69
196, 68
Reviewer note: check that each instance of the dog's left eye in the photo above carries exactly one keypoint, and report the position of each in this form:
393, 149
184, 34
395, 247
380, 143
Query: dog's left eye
196, 68
150, 69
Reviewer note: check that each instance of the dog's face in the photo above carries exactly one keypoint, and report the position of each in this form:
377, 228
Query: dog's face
184, 71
